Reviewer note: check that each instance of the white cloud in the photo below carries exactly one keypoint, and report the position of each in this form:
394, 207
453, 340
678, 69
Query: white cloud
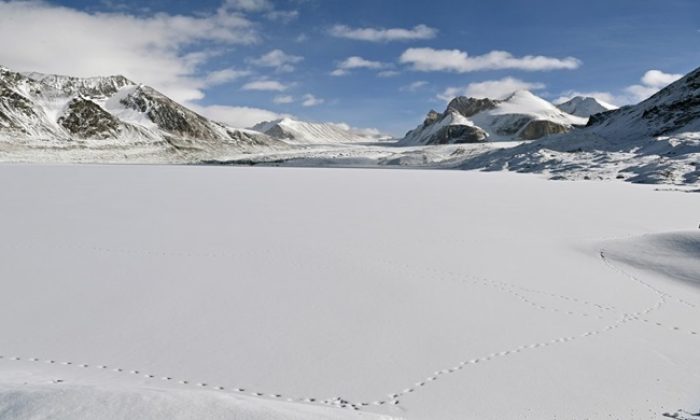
388, 73
651, 82
278, 59
223, 76
383, 35
285, 99
265, 85
493, 89
429, 59
659, 79
360, 63
356, 62
248, 5
150, 49
310, 100
237, 116
260, 6
412, 87
284, 16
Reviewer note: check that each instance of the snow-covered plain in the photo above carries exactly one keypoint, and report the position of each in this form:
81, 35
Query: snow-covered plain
138, 291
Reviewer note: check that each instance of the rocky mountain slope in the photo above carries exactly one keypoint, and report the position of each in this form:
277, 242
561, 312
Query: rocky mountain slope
674, 109
585, 106
301, 132
521, 116
109, 114
655, 141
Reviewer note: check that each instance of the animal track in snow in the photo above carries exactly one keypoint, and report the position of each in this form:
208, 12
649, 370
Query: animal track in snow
395, 398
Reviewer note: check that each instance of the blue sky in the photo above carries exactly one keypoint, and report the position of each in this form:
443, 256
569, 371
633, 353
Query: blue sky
369, 63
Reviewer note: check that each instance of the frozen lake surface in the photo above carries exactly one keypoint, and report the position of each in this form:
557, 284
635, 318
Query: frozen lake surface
140, 291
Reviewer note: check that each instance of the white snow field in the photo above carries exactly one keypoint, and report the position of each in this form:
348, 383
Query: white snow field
279, 293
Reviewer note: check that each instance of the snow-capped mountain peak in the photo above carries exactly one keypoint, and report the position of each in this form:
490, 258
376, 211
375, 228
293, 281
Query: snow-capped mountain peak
585, 106
60, 111
522, 115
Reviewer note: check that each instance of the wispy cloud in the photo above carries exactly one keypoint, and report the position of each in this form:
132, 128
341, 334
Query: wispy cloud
429, 59
237, 116
413, 87
248, 5
277, 59
219, 77
265, 85
384, 35
161, 50
283, 99
355, 62
388, 73
310, 100
284, 16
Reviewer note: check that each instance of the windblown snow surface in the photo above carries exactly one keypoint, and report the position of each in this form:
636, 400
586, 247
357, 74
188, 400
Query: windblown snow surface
281, 293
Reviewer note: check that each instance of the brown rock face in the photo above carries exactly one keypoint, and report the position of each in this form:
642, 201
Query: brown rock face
458, 134
538, 129
85, 119
470, 106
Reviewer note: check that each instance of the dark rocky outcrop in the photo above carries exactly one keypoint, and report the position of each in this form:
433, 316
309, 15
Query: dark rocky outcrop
468, 107
87, 120
458, 134
540, 128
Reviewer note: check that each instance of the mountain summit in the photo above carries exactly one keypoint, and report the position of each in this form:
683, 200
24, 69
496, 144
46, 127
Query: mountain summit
585, 106
108, 114
521, 116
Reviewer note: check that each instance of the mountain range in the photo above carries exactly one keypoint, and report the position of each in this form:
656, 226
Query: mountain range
113, 119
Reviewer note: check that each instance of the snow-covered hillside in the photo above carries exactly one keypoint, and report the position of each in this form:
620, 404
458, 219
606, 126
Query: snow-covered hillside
585, 106
189, 292
302, 132
109, 114
675, 109
655, 141
521, 116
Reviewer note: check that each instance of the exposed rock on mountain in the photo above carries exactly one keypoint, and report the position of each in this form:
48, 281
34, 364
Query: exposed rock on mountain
585, 106
676, 108
655, 141
521, 116
536, 129
85, 119
49, 111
